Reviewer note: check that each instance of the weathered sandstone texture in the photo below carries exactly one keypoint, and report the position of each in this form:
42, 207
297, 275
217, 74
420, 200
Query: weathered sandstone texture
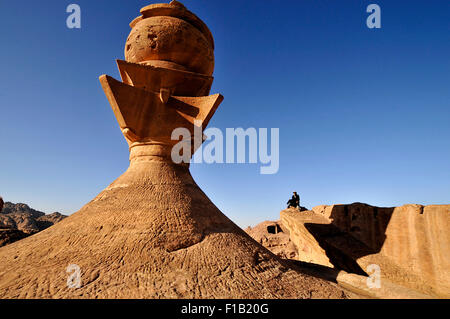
153, 233
410, 244
275, 237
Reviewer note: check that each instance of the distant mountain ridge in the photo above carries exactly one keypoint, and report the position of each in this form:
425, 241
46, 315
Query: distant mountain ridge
18, 221
11, 208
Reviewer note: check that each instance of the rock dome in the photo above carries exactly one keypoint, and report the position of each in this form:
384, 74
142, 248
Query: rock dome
169, 35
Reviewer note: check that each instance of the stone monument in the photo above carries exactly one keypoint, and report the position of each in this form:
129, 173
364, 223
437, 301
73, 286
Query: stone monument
166, 79
153, 233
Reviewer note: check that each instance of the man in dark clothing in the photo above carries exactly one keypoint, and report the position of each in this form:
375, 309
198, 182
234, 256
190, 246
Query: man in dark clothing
294, 201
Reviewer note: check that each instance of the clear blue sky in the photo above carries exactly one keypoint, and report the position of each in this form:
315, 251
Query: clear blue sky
364, 115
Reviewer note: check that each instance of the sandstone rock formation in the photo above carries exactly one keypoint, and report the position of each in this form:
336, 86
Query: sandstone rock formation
18, 221
275, 237
410, 244
153, 233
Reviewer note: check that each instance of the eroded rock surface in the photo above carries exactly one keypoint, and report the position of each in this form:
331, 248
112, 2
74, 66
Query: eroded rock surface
153, 233
274, 236
410, 244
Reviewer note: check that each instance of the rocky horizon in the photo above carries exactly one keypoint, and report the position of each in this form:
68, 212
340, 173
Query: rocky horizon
407, 244
336, 242
18, 221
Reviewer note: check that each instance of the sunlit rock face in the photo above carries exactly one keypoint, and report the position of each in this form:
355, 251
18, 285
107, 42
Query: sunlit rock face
410, 244
170, 35
153, 233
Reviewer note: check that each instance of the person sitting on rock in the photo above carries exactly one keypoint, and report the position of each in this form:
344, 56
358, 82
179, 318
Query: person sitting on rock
294, 201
